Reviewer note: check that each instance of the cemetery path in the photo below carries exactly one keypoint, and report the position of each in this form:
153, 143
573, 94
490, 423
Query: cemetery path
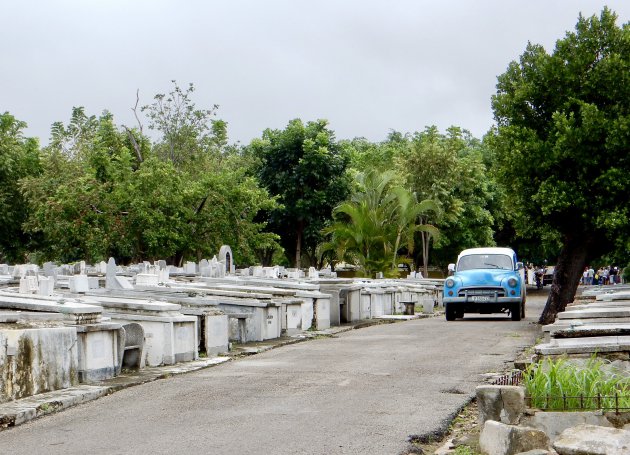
363, 392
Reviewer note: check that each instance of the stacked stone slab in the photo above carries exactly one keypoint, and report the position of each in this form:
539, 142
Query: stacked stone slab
600, 326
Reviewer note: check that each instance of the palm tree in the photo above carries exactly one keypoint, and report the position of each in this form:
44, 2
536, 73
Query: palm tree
371, 226
408, 213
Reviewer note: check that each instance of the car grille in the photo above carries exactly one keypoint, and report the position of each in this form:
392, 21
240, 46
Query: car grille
500, 292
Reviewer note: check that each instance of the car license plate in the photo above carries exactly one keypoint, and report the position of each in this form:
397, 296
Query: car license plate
480, 298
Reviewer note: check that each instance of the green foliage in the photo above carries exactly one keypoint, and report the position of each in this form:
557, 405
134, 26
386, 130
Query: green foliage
19, 158
561, 147
304, 167
563, 133
549, 381
450, 169
104, 192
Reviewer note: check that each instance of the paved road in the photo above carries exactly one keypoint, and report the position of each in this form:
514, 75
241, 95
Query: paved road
363, 392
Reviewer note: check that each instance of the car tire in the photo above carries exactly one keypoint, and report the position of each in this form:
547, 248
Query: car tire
523, 310
515, 311
459, 314
449, 312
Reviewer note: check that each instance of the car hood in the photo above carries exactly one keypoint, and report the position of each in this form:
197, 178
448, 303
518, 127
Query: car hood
483, 277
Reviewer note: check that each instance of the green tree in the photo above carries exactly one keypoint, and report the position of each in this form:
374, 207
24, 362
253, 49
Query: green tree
19, 158
304, 167
562, 140
73, 202
220, 201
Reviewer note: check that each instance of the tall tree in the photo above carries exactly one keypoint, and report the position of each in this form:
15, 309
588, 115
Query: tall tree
562, 146
306, 169
19, 158
221, 202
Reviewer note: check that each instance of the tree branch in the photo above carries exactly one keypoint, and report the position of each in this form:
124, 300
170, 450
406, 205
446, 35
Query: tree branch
136, 147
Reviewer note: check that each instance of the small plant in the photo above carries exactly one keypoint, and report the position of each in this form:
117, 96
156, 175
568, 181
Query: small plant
464, 450
562, 385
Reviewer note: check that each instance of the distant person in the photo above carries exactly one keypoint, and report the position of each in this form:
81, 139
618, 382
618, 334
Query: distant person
612, 275
589, 275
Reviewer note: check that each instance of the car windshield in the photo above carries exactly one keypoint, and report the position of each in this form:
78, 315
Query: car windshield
485, 261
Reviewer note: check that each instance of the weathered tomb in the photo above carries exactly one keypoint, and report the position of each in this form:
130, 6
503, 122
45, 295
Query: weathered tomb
170, 336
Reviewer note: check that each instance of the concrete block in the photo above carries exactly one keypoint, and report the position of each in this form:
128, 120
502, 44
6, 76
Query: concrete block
588, 345
500, 403
554, 423
593, 440
43, 359
500, 439
46, 286
216, 336
78, 284
147, 279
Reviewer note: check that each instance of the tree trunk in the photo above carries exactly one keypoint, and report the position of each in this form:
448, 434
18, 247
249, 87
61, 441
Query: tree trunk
426, 240
298, 244
566, 278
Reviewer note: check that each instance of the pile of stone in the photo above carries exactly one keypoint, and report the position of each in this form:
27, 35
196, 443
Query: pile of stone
598, 323
509, 428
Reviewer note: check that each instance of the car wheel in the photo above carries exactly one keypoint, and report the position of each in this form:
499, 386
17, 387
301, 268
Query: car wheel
523, 310
459, 314
449, 312
515, 311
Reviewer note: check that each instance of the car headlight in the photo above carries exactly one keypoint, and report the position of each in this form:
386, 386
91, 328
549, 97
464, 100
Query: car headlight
512, 282
450, 283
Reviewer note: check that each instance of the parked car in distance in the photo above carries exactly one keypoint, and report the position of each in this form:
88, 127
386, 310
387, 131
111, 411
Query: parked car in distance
548, 276
485, 280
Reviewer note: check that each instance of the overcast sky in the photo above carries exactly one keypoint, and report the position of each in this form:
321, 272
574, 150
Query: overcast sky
366, 66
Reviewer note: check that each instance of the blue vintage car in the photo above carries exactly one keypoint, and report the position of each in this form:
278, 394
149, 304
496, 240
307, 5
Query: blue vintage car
485, 280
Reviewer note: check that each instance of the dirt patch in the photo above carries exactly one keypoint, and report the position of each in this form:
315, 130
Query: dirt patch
462, 436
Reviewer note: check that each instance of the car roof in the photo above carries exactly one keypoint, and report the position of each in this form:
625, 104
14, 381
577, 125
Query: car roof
489, 250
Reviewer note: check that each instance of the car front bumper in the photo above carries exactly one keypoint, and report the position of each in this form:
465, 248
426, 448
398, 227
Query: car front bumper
481, 302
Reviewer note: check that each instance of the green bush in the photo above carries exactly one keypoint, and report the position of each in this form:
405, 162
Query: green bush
560, 384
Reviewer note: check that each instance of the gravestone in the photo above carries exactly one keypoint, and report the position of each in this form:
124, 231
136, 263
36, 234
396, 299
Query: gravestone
204, 268
50, 269
294, 274
4, 269
29, 284
190, 268
227, 258
46, 286
78, 284
313, 273
110, 274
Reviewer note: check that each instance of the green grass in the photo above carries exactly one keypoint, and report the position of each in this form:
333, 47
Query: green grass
559, 384
464, 450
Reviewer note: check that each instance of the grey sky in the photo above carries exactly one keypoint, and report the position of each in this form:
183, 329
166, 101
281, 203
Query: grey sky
366, 66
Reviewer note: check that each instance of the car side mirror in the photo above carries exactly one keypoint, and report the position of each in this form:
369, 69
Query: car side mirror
451, 267
519, 265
